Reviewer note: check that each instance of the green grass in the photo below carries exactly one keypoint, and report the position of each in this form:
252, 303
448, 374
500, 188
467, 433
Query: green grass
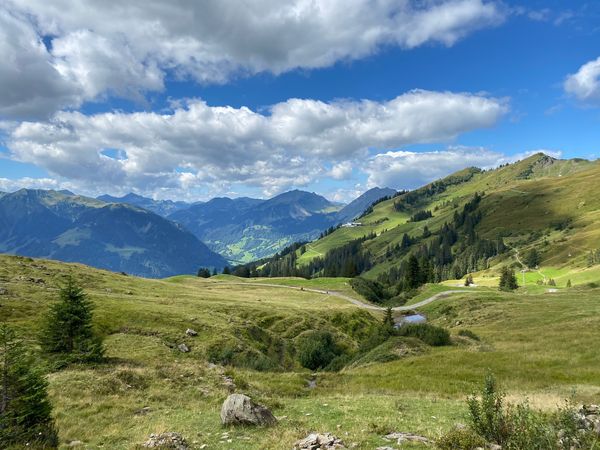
539, 346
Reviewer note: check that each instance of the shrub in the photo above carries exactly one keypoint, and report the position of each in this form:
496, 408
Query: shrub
317, 349
431, 335
488, 416
371, 290
469, 334
460, 439
508, 280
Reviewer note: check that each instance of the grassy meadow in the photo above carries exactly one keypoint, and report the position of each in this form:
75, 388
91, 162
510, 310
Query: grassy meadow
541, 346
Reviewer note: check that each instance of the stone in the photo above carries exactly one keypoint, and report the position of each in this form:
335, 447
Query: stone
168, 440
407, 437
3, 291
191, 332
183, 348
74, 444
318, 441
239, 409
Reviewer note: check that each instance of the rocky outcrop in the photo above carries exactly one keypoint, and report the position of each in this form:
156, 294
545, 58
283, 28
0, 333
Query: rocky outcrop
191, 332
168, 440
317, 441
239, 409
588, 417
183, 348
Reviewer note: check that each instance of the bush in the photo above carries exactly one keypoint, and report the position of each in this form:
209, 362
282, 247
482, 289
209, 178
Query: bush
431, 335
317, 349
460, 439
371, 290
469, 334
488, 416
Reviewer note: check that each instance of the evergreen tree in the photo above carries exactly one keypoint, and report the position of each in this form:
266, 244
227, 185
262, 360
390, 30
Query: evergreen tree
203, 273
532, 258
214, 272
469, 280
569, 283
508, 280
226, 271
25, 411
68, 329
388, 321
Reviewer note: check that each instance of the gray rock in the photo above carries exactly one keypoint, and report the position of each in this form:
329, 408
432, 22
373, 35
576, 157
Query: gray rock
317, 441
183, 348
3, 291
191, 332
239, 409
167, 440
407, 437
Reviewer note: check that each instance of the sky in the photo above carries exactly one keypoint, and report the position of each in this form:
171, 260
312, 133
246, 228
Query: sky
189, 100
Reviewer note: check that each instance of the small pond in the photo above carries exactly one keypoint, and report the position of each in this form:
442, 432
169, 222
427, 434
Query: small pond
413, 318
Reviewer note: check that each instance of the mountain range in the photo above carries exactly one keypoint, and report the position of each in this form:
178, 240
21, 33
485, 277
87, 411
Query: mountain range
114, 236
244, 229
160, 238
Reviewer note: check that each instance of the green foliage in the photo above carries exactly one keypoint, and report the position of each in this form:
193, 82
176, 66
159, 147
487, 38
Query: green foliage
488, 416
371, 290
469, 280
460, 439
519, 427
25, 411
420, 216
508, 280
569, 283
468, 334
68, 330
317, 349
388, 321
430, 334
204, 272
532, 258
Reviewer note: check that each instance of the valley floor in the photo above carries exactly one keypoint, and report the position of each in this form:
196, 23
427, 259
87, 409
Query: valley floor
540, 347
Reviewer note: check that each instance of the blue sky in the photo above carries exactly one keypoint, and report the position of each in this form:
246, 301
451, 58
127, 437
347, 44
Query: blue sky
390, 93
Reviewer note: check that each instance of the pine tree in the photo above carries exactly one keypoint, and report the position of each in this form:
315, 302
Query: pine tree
25, 411
508, 280
226, 270
68, 330
569, 283
388, 321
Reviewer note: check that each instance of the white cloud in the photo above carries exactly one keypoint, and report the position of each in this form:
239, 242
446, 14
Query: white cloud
585, 84
204, 145
128, 48
409, 170
341, 171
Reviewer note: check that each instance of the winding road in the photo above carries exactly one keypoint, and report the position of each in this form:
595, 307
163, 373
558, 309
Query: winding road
359, 303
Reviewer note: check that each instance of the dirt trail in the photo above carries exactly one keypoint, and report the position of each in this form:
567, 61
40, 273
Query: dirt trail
359, 303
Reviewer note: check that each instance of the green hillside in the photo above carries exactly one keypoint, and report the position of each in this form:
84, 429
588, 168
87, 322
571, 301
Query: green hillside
540, 347
542, 202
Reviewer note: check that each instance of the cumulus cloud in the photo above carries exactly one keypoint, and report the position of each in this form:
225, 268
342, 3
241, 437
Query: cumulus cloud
286, 146
80, 51
585, 83
409, 170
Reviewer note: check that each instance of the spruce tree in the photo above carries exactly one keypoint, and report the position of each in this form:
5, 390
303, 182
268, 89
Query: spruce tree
25, 411
508, 280
388, 321
68, 330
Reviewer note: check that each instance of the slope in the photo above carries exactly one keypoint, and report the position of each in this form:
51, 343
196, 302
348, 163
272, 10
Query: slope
113, 236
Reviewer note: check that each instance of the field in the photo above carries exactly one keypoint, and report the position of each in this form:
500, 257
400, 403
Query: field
540, 346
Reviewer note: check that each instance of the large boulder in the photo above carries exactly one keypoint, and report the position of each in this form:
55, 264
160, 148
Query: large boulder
239, 409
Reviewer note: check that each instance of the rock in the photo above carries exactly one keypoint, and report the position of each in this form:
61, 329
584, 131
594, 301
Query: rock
495, 447
74, 444
316, 441
183, 348
3, 291
239, 409
385, 448
167, 440
229, 384
191, 332
407, 437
